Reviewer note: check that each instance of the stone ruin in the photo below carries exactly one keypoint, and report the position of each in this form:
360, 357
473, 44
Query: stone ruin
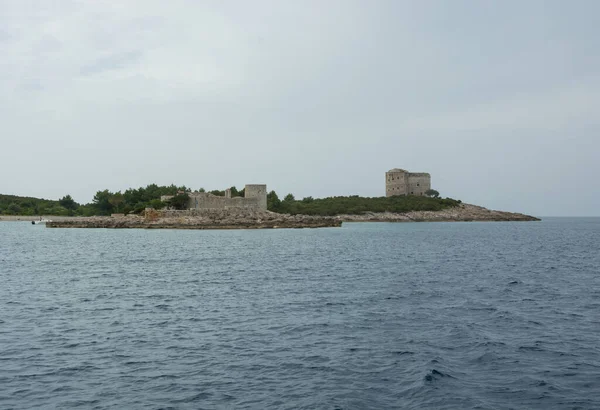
255, 198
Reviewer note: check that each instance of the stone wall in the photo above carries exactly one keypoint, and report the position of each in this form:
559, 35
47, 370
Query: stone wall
255, 197
257, 192
203, 200
401, 182
418, 183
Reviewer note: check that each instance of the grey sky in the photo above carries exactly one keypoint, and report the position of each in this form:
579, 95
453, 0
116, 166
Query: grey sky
498, 100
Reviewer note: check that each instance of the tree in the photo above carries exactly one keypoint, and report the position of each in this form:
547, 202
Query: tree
273, 201
180, 201
289, 198
86, 210
68, 203
432, 193
133, 196
101, 202
156, 204
14, 209
116, 200
59, 210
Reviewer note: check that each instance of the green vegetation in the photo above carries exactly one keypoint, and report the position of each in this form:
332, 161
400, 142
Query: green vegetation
104, 203
234, 192
432, 193
18, 205
179, 201
133, 200
136, 200
356, 205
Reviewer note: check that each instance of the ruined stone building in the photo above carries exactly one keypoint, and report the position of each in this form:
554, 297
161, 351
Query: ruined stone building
255, 197
401, 182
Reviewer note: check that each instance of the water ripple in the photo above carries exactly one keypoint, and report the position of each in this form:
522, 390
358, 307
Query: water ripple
440, 316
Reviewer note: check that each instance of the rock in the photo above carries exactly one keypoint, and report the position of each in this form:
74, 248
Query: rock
207, 219
462, 213
255, 219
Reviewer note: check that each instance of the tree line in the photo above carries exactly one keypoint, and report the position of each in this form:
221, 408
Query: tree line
133, 200
18, 205
357, 205
105, 202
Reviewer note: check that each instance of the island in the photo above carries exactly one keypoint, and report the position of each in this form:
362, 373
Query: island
408, 198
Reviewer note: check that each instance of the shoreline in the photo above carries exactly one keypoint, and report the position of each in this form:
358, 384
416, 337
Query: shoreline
252, 219
462, 213
208, 219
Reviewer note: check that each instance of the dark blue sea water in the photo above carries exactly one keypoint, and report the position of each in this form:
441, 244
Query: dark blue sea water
411, 315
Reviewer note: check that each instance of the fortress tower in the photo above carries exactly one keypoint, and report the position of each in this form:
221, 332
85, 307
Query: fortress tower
257, 191
401, 182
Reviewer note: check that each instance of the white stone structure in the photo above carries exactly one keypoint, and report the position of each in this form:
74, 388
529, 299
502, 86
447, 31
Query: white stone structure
401, 182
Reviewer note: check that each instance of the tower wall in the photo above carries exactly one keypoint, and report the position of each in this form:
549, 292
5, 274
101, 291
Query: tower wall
258, 191
396, 182
418, 183
401, 182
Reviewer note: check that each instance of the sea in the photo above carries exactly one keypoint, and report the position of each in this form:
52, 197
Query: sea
471, 315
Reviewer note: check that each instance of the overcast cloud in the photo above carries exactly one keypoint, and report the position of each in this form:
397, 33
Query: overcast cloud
498, 100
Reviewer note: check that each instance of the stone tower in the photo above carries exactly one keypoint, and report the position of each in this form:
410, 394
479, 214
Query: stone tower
401, 182
257, 191
396, 181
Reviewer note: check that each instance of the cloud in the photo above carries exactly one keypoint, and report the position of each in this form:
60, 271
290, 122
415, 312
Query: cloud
111, 62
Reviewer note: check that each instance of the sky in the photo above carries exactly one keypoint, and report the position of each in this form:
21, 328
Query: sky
498, 100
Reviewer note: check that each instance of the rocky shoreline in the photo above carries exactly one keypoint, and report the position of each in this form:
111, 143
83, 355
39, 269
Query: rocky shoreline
462, 213
209, 219
251, 219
